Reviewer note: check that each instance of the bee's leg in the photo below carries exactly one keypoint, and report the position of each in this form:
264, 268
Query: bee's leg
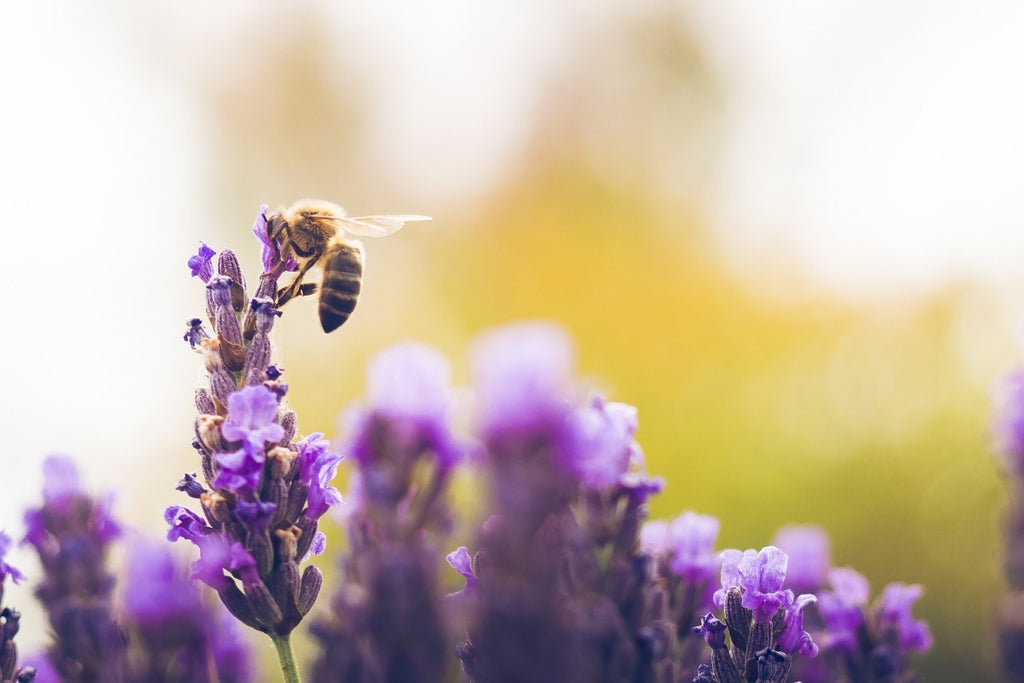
296, 287
286, 294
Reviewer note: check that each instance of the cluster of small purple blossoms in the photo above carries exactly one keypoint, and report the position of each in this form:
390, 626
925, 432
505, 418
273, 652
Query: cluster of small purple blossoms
1009, 433
162, 632
765, 620
263, 490
9, 623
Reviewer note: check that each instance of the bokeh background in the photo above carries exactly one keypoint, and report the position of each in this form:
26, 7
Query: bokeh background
789, 232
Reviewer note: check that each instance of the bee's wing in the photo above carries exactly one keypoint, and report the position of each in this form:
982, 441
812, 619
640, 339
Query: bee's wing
378, 226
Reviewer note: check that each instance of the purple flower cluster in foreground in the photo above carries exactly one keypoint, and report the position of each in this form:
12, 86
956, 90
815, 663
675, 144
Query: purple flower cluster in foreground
564, 579
159, 631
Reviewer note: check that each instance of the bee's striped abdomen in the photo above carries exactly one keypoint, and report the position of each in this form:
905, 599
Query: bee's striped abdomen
343, 273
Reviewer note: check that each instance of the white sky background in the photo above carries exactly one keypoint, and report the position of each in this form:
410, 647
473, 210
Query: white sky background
878, 145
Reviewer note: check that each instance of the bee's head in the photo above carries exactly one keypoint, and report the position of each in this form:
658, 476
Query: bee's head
276, 225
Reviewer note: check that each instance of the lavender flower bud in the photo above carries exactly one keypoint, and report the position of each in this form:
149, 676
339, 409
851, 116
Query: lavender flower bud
228, 266
226, 323
190, 486
722, 665
204, 403
257, 357
772, 666
289, 423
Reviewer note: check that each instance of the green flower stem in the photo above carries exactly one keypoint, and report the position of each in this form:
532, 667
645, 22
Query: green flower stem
287, 657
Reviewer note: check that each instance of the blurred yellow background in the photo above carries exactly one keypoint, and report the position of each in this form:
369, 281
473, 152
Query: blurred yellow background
759, 225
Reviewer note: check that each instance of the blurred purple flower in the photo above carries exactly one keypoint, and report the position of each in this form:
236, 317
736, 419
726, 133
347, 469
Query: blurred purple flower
602, 444
1009, 422
809, 556
410, 394
522, 374
654, 537
690, 543
842, 608
894, 612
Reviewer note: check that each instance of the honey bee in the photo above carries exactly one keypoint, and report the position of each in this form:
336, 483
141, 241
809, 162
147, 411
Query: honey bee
312, 232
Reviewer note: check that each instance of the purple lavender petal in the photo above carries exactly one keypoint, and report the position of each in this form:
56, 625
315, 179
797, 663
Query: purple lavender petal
731, 576
794, 639
762, 578
185, 524
255, 516
201, 264
318, 545
461, 561
809, 556
217, 555
269, 253
252, 412
691, 544
317, 467
241, 470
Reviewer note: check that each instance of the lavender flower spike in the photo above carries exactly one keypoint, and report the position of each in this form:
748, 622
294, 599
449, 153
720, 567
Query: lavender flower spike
388, 618
264, 489
72, 532
9, 622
